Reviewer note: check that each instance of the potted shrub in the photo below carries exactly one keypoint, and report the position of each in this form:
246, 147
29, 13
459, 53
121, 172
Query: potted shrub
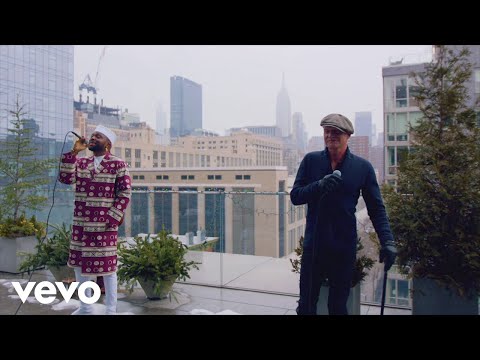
435, 210
18, 236
53, 253
22, 176
155, 262
362, 264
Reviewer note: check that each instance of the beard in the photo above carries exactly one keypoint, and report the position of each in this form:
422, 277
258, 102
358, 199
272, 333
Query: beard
96, 147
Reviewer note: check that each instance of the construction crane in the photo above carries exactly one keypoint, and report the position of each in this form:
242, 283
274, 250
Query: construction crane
95, 83
88, 84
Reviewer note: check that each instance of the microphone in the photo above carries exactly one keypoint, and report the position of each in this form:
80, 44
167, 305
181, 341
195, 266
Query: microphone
337, 173
78, 136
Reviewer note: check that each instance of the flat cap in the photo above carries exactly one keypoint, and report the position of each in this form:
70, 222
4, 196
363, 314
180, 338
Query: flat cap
338, 121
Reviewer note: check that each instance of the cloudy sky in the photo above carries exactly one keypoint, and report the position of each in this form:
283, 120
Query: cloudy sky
241, 82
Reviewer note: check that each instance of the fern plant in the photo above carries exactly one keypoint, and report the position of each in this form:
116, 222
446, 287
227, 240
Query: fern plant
159, 258
53, 252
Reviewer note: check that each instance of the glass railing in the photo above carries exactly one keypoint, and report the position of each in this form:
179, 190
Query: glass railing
243, 239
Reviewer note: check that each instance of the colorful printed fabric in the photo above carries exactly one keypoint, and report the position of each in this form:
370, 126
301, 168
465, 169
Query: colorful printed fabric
101, 198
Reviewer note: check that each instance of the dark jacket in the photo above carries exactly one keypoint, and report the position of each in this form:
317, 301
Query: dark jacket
331, 223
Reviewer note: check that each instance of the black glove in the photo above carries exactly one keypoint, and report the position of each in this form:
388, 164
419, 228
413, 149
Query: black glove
328, 184
388, 253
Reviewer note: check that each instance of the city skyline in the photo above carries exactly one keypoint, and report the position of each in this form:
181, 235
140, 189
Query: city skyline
241, 83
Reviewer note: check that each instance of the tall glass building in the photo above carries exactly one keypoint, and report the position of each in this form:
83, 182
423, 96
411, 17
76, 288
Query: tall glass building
41, 76
185, 106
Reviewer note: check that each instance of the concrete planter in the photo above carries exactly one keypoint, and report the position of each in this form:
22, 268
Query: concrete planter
165, 288
431, 299
10, 247
353, 303
62, 273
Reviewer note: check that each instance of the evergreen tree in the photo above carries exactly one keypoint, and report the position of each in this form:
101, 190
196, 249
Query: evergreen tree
435, 213
22, 172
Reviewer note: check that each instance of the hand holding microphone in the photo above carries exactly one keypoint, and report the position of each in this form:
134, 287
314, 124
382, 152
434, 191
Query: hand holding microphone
329, 183
80, 144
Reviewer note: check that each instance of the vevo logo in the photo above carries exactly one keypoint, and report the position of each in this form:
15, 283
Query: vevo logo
47, 288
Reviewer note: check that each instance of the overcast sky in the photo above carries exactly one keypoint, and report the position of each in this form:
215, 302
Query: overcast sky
240, 83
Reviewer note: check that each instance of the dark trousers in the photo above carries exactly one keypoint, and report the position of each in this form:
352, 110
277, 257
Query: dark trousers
315, 269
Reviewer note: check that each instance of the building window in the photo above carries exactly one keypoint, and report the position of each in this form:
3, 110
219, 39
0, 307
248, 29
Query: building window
395, 155
243, 239
128, 153
184, 177
300, 212
238, 177
414, 118
210, 177
401, 127
138, 153
155, 155
398, 292
191, 177
281, 218
165, 177
477, 81
215, 217
291, 213
398, 125
139, 211
413, 91
162, 205
137, 164
401, 92
218, 177
188, 211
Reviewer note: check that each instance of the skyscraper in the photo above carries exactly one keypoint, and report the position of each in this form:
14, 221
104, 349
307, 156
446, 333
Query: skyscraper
363, 124
298, 131
185, 106
41, 77
284, 113
161, 119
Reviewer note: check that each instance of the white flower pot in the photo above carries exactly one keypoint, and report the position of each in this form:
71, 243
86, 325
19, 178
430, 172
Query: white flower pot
10, 247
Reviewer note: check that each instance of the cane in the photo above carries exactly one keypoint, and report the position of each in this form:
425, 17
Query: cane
384, 291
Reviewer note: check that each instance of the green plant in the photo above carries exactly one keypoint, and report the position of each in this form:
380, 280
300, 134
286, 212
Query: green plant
362, 264
435, 212
22, 174
21, 226
53, 252
159, 258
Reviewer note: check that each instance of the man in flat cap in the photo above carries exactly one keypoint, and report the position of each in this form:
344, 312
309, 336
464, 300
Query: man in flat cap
330, 182
102, 194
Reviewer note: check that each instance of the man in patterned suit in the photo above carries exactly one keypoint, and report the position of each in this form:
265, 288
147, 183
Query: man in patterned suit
102, 194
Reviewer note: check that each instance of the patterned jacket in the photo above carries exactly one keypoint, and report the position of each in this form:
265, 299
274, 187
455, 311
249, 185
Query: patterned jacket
101, 198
